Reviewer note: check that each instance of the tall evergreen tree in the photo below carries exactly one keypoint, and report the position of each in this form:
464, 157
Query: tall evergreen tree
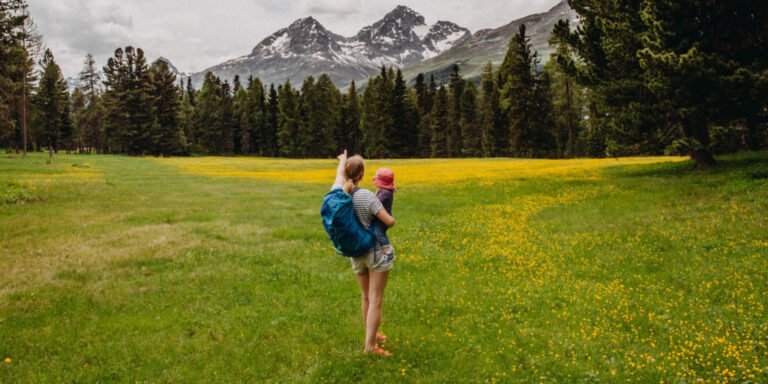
242, 118
227, 120
322, 103
256, 109
191, 93
187, 123
270, 137
706, 60
624, 114
350, 136
306, 133
489, 114
14, 60
91, 119
440, 124
128, 102
52, 101
290, 121
208, 121
426, 103
402, 139
456, 89
565, 98
471, 134
517, 76
377, 117
76, 109
31, 44
168, 137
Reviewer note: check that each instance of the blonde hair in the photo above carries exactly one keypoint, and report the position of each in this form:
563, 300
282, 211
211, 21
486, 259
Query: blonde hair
353, 171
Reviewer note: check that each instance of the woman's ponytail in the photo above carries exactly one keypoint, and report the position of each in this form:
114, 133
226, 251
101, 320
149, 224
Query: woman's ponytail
353, 171
349, 186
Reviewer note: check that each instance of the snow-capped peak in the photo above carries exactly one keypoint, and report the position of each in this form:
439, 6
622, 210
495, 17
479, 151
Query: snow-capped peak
303, 36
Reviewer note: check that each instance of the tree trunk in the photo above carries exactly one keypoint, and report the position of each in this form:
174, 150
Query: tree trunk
754, 137
24, 114
698, 130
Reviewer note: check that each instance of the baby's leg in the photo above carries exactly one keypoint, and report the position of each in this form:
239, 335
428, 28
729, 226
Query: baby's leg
380, 233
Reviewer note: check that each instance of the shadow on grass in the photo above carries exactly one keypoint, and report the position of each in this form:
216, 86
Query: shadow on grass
747, 165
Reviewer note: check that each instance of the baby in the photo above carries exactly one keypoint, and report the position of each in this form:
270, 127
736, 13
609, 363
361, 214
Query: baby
385, 184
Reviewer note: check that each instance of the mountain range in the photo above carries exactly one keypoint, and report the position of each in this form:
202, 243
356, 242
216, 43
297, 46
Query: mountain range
401, 39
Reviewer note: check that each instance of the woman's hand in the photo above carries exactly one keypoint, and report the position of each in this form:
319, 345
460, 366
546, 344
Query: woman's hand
343, 157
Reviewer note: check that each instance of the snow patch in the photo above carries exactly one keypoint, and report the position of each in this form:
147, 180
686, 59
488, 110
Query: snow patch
421, 31
449, 40
281, 44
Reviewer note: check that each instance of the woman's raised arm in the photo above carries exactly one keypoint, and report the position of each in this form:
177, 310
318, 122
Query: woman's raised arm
340, 179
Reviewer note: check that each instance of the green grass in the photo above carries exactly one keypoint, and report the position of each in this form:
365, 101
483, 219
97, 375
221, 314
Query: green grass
118, 269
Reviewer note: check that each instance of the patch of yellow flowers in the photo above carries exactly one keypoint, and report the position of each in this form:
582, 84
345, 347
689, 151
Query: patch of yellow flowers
407, 172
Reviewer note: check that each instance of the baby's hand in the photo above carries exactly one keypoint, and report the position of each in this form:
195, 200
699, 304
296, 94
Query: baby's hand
343, 156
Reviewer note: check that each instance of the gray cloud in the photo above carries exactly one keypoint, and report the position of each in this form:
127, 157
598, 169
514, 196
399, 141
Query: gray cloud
196, 34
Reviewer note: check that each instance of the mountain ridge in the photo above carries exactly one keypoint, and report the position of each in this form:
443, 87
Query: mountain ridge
401, 39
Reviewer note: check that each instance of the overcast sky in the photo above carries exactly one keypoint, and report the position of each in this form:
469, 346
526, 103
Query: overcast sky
197, 34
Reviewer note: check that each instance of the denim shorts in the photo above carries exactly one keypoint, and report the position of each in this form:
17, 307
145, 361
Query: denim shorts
375, 260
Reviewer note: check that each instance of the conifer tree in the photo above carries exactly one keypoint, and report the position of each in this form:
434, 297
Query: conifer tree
128, 101
168, 137
563, 71
191, 92
456, 89
706, 60
305, 134
52, 102
489, 114
76, 108
471, 134
242, 132
256, 110
236, 85
290, 120
401, 140
91, 120
270, 137
227, 120
322, 105
31, 46
517, 75
187, 123
15, 64
139, 103
440, 124
377, 117
350, 136
208, 122
426, 103
626, 117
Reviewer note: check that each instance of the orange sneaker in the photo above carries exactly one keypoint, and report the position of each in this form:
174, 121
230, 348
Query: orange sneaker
381, 352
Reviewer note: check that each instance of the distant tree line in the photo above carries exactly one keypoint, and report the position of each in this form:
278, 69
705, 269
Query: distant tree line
636, 78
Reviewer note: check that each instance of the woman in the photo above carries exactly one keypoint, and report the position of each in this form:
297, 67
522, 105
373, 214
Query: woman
371, 269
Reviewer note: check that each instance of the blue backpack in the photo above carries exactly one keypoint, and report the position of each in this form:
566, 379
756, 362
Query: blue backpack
349, 237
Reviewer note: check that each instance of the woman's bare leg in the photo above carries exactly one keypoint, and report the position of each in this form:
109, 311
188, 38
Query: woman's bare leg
362, 280
377, 281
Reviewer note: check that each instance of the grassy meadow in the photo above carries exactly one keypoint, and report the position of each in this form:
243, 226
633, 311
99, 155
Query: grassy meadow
640, 270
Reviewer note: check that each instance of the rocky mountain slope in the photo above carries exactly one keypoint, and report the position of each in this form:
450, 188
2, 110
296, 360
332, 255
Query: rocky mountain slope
486, 45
